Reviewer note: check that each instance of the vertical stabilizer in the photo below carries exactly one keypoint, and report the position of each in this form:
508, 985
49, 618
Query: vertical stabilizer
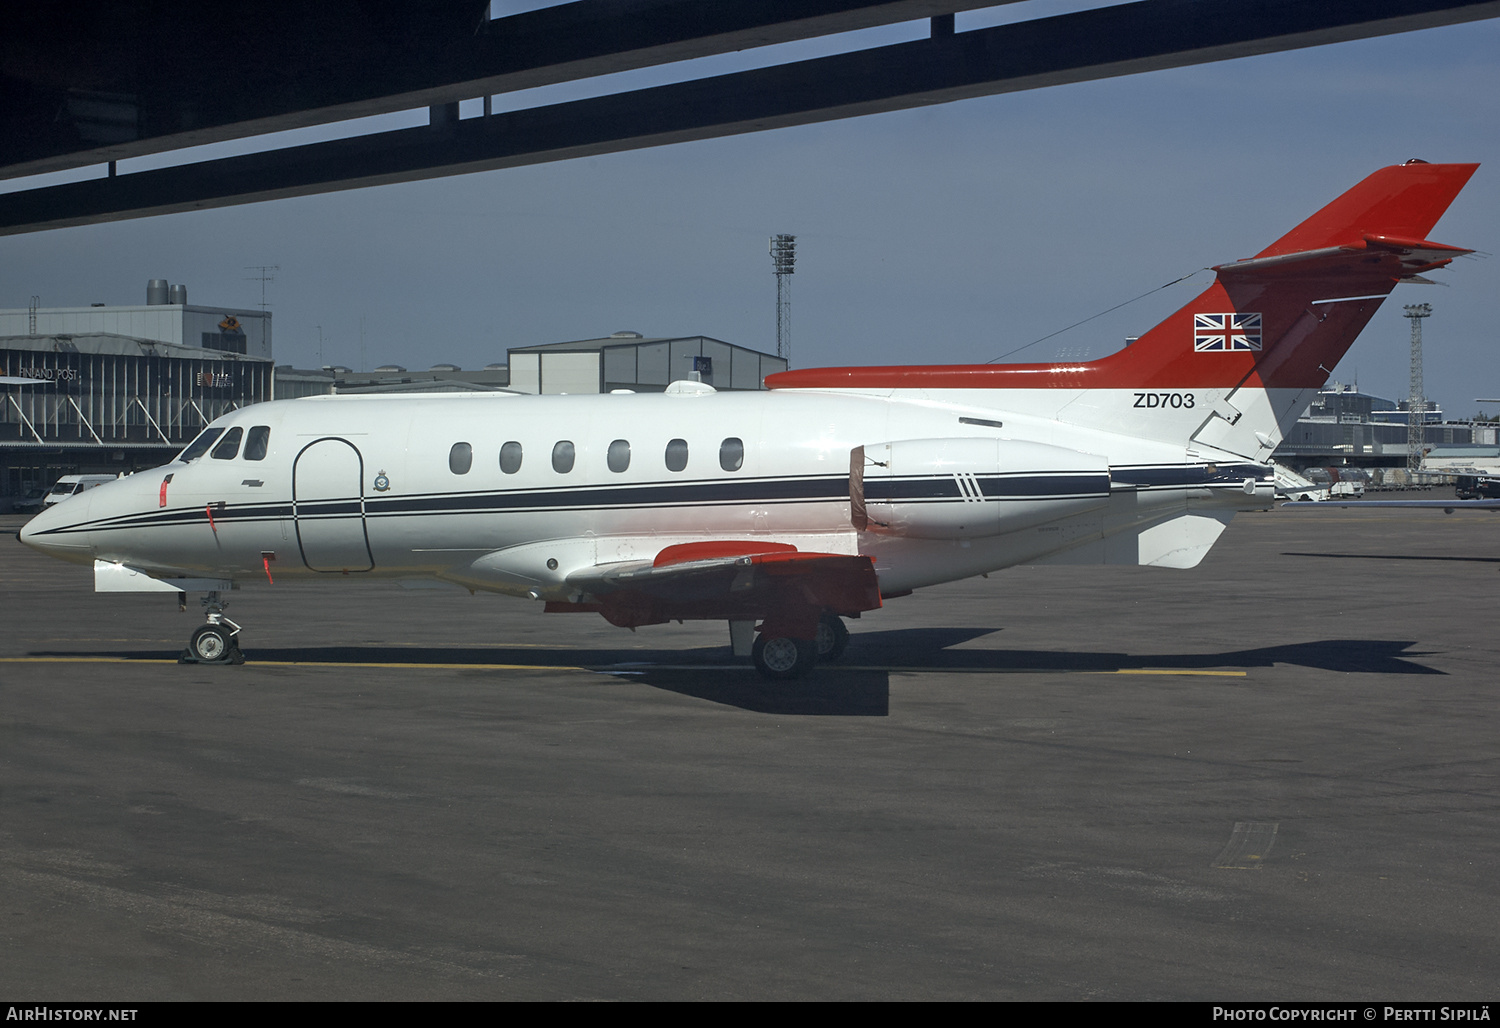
1285, 317
1230, 371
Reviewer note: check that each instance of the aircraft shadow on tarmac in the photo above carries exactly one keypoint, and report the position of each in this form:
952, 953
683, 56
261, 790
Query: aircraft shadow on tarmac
1395, 556
859, 686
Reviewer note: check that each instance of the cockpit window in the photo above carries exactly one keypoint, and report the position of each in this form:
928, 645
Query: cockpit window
198, 447
257, 442
229, 445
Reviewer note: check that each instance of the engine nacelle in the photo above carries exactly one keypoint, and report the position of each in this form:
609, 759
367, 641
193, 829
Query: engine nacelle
970, 488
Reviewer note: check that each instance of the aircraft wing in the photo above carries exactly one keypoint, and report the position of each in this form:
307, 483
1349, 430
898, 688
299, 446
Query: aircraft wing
734, 580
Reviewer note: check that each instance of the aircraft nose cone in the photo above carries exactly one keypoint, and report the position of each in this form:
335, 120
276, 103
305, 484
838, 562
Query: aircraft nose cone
58, 532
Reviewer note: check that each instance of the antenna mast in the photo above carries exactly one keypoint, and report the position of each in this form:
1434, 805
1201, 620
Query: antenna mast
264, 277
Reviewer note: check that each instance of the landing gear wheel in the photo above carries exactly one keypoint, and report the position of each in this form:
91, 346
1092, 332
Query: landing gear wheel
832, 637
781, 658
212, 644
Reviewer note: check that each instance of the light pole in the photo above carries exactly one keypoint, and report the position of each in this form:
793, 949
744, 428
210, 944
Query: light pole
784, 259
1416, 406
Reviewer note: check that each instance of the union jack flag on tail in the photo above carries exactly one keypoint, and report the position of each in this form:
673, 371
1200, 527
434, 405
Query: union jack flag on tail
1226, 332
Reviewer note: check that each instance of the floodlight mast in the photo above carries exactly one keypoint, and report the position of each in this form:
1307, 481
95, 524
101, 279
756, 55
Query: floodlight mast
1416, 406
784, 259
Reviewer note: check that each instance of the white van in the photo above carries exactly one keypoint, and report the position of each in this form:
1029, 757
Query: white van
70, 485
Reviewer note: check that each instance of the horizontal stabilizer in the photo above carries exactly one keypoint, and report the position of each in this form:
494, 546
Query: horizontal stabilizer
1181, 541
1378, 257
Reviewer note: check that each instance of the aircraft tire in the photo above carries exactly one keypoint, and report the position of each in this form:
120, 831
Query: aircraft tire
832, 637
211, 644
782, 658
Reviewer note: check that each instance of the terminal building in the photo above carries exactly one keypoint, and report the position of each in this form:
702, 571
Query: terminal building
118, 389
1347, 428
165, 317
114, 390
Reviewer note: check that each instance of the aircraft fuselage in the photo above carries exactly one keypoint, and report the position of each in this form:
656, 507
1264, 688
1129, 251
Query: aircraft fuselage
428, 486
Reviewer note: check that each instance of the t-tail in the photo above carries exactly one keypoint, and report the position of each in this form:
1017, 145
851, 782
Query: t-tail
1237, 365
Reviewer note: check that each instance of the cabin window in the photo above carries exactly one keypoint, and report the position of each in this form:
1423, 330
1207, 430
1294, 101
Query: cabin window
229, 445
510, 458
731, 454
198, 447
257, 442
619, 455
676, 454
562, 457
460, 458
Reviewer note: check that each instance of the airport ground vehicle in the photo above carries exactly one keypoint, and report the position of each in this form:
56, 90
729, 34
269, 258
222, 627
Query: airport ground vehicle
72, 485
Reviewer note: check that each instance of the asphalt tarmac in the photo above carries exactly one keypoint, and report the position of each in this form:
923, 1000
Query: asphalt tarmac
1273, 777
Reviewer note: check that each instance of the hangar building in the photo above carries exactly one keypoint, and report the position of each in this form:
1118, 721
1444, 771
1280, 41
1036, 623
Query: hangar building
628, 360
624, 360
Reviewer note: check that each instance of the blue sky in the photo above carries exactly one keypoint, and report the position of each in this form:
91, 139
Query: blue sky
948, 234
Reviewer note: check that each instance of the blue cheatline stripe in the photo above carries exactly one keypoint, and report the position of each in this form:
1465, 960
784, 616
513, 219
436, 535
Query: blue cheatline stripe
764, 490
1045, 485
1042, 485
1029, 485
667, 494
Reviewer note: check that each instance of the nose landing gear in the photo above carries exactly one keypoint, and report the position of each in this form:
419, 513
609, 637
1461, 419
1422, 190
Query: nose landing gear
216, 642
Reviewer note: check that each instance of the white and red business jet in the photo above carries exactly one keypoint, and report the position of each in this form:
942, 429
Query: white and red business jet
779, 511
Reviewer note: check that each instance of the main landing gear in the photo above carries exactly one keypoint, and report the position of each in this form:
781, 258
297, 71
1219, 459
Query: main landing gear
832, 637
216, 642
782, 658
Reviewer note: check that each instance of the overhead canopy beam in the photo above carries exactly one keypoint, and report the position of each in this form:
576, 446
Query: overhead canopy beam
92, 81
1094, 44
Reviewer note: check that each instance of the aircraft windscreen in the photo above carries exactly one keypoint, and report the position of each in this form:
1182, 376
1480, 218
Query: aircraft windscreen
198, 447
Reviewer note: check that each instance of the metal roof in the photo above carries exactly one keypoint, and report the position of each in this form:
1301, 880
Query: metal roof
128, 346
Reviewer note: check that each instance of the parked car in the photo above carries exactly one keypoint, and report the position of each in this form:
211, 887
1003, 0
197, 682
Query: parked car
29, 504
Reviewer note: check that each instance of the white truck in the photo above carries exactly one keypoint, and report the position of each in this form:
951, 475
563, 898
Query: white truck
70, 485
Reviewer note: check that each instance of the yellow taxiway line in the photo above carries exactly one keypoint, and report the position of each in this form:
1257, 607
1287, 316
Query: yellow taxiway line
605, 669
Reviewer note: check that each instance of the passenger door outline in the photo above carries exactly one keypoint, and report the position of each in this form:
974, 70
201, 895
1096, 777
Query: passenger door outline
338, 543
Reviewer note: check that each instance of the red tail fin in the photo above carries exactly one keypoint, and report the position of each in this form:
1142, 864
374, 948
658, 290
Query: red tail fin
1281, 319
1403, 202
